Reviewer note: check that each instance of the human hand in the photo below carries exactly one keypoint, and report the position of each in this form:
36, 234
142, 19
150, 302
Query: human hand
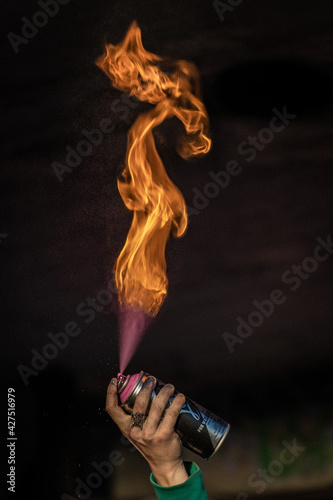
156, 439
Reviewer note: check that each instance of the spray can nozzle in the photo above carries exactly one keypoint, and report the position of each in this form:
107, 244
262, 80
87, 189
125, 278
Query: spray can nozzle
121, 379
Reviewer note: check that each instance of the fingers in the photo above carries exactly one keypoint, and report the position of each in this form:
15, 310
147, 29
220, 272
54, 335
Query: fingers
157, 408
143, 398
172, 413
112, 407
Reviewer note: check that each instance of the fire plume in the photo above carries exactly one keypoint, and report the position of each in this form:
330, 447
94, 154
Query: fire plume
157, 204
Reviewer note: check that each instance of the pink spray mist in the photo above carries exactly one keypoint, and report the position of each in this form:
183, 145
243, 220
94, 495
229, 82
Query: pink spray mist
132, 326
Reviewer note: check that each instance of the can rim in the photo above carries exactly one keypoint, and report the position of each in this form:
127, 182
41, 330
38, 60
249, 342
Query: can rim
136, 389
220, 442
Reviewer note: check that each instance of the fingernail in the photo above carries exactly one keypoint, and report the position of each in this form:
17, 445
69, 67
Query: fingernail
114, 382
150, 381
169, 386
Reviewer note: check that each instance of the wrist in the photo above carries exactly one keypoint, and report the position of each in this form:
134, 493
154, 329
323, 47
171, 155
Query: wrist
169, 475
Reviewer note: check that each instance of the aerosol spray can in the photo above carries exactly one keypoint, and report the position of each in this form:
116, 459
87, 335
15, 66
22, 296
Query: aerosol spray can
199, 430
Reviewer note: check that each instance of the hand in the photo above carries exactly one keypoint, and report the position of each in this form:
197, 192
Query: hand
157, 440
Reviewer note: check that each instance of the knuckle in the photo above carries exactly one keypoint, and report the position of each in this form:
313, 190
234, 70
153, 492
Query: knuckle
147, 435
162, 436
134, 433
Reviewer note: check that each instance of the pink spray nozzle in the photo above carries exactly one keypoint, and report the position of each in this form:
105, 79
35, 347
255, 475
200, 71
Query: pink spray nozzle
121, 380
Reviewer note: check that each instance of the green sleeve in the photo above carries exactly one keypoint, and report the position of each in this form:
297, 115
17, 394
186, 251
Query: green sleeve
193, 488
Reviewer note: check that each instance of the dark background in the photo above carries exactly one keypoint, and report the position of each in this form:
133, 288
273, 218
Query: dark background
63, 237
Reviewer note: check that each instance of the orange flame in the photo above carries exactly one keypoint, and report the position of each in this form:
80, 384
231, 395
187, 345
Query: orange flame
157, 204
